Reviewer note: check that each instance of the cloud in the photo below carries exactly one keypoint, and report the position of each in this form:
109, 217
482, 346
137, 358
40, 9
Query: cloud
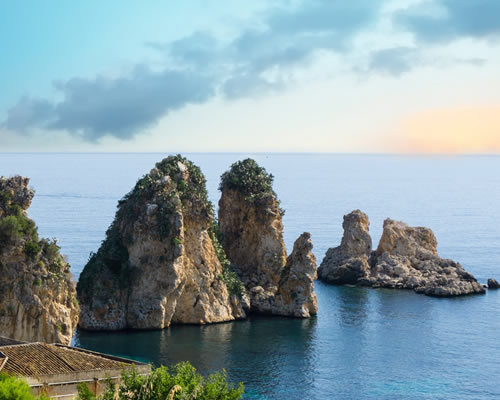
393, 61
447, 20
198, 67
117, 107
28, 113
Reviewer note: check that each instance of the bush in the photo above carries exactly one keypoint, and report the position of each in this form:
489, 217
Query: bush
15, 227
181, 382
248, 178
12, 388
50, 249
10, 229
31, 249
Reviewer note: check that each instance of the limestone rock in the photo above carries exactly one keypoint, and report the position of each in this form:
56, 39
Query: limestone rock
406, 258
348, 263
37, 295
158, 264
295, 296
493, 284
250, 221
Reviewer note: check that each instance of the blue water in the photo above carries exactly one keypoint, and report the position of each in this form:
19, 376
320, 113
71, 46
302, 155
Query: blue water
364, 343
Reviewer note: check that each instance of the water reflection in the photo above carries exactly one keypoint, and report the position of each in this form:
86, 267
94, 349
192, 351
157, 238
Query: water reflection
265, 353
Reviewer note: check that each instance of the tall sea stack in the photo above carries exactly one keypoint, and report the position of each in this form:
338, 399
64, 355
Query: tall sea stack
37, 295
250, 220
160, 262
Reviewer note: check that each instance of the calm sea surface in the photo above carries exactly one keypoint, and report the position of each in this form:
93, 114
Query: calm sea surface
364, 343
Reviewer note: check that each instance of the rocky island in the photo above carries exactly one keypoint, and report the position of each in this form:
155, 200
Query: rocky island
159, 262
162, 262
406, 258
250, 220
37, 295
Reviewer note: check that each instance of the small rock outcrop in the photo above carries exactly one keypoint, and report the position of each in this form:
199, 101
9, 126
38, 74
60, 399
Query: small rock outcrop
37, 295
349, 262
406, 258
161, 262
250, 221
493, 284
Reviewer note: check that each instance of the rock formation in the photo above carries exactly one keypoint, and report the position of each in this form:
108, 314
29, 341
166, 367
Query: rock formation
406, 258
160, 262
493, 284
349, 262
250, 221
37, 296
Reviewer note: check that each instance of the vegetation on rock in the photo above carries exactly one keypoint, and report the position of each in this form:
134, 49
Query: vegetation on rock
33, 270
180, 382
249, 178
230, 278
160, 228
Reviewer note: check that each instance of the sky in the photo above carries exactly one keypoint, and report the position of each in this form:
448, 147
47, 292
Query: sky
364, 76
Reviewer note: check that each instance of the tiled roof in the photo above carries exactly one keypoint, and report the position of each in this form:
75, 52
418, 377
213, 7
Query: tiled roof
37, 359
4, 341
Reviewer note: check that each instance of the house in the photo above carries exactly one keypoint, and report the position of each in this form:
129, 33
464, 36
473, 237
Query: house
57, 370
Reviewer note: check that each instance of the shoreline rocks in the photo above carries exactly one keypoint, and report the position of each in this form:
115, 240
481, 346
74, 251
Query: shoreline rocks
406, 258
37, 294
493, 284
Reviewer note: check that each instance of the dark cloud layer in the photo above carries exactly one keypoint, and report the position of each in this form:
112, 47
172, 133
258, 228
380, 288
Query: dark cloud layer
119, 107
452, 19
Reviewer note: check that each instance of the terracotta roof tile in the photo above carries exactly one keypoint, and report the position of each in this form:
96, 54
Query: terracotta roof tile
36, 359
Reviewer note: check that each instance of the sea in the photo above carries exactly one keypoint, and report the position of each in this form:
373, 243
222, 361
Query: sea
364, 343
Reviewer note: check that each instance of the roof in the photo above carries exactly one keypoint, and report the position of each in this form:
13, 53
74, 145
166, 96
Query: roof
37, 359
3, 360
5, 341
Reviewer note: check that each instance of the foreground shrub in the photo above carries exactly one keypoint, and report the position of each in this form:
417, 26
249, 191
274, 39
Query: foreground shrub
179, 383
12, 388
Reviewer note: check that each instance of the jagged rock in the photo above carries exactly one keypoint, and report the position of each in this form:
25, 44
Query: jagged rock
295, 295
406, 258
37, 295
493, 284
250, 221
160, 261
348, 263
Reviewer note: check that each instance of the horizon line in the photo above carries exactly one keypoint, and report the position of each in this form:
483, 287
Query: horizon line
412, 154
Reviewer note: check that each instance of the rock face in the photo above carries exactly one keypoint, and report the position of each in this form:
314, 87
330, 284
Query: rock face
406, 258
160, 262
349, 262
37, 296
493, 284
250, 221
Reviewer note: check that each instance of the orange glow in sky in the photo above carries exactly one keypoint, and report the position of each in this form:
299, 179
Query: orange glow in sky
473, 129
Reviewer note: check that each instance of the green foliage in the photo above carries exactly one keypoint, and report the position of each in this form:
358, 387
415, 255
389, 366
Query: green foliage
248, 178
230, 278
50, 250
16, 227
31, 249
84, 393
37, 282
6, 203
12, 388
179, 383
